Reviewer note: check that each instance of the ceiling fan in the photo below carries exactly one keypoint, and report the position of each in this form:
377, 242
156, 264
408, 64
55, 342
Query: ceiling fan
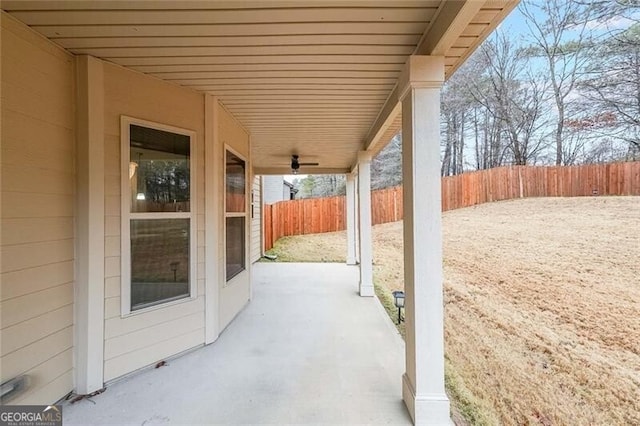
295, 164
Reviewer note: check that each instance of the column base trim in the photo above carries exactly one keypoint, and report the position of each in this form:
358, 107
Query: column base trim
366, 290
426, 409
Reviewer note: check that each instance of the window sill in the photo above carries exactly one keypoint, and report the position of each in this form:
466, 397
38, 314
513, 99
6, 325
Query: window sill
182, 300
239, 276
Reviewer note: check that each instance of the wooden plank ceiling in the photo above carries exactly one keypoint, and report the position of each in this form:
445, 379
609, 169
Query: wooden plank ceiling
304, 77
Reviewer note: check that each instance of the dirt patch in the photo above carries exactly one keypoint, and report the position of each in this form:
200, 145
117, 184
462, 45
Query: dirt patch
542, 305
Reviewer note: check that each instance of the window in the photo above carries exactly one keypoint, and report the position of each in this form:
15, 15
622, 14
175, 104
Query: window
235, 246
235, 214
157, 215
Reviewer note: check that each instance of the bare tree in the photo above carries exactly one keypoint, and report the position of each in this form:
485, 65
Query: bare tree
489, 142
513, 97
559, 33
386, 167
454, 111
612, 85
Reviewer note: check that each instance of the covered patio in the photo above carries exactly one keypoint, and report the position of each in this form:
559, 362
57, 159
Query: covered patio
131, 133
306, 350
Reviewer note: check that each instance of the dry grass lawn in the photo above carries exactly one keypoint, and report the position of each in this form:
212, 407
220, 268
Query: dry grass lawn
542, 304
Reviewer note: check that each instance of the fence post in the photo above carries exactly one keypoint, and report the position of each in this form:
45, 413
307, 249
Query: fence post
395, 205
520, 181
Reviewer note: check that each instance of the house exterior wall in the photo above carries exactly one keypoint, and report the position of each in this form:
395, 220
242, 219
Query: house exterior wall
37, 215
40, 196
140, 339
274, 189
235, 293
256, 220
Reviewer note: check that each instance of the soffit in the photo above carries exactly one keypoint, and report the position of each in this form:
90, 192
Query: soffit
303, 77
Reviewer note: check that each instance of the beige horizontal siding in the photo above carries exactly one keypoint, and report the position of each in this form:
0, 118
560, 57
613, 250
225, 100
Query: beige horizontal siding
141, 339
33, 230
137, 340
23, 179
31, 280
112, 185
43, 379
23, 308
33, 329
31, 255
20, 205
160, 350
235, 293
232, 133
256, 221
112, 266
49, 391
39, 107
111, 307
120, 326
37, 246
16, 149
37, 353
112, 246
112, 226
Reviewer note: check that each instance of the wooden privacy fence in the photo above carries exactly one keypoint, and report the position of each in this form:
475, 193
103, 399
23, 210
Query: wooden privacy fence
505, 183
305, 216
317, 215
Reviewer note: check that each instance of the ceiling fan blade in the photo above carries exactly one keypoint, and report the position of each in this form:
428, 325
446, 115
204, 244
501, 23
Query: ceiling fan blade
309, 164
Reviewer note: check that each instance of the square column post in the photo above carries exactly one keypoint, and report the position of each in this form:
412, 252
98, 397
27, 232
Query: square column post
356, 216
364, 224
351, 219
423, 383
90, 238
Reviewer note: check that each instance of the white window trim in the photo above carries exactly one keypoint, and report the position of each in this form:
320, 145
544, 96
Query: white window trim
126, 215
247, 238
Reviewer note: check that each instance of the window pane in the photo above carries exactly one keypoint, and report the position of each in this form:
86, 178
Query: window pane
235, 246
159, 261
159, 170
235, 184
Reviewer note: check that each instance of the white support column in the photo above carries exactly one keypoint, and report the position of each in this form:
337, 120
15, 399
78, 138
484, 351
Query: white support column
213, 218
364, 224
90, 240
423, 383
351, 219
357, 217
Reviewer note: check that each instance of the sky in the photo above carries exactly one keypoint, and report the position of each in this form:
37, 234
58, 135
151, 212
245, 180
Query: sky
516, 23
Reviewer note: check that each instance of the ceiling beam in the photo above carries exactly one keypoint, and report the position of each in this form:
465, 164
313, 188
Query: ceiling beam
506, 7
451, 20
388, 113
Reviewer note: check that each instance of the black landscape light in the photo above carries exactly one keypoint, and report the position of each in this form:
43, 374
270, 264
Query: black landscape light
398, 300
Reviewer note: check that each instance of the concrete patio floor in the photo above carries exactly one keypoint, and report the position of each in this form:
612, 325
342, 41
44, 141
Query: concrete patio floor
306, 350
